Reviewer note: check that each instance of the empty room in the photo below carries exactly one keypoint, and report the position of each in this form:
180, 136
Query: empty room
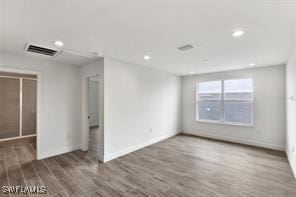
148, 98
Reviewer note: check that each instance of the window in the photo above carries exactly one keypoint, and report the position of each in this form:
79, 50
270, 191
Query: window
209, 103
226, 101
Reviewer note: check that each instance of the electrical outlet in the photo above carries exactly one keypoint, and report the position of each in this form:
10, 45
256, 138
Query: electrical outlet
68, 135
151, 130
293, 149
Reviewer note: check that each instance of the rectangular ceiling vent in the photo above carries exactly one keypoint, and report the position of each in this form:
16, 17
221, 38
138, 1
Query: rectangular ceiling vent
41, 50
185, 47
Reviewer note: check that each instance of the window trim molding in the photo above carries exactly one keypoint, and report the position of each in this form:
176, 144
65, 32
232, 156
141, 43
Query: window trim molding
222, 121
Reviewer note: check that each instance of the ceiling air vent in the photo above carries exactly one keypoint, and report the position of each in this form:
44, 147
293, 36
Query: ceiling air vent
185, 47
41, 50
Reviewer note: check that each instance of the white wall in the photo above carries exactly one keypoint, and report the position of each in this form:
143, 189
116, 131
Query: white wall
95, 68
60, 103
291, 103
291, 111
136, 99
269, 108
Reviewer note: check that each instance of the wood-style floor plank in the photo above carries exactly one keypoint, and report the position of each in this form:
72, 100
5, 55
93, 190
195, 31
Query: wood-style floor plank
3, 175
15, 176
180, 166
71, 187
47, 177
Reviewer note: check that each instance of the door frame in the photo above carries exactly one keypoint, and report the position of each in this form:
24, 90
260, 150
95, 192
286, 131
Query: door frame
84, 118
38, 103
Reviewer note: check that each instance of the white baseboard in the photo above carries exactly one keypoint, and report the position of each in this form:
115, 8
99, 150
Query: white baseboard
137, 147
236, 140
291, 162
58, 151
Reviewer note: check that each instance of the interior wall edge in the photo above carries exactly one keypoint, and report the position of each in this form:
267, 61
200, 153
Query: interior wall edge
291, 162
290, 110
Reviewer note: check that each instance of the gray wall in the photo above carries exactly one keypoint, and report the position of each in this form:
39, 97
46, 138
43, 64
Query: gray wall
269, 108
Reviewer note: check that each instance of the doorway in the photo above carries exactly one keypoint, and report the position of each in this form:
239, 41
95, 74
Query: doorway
18, 109
92, 136
93, 113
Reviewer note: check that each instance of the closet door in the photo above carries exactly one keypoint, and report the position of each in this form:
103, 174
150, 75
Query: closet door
9, 107
29, 107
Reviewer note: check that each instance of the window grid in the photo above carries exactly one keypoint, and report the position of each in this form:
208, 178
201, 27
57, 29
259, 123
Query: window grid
222, 107
222, 102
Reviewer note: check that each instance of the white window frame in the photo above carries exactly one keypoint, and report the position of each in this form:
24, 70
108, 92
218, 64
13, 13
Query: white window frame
222, 115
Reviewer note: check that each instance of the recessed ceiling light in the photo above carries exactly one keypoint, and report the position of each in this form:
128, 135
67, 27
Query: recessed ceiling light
191, 72
238, 33
252, 64
205, 61
146, 57
58, 43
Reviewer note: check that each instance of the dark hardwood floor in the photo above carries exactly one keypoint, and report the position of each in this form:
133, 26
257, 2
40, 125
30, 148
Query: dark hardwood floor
180, 166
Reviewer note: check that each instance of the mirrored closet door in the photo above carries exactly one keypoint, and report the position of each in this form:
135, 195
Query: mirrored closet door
17, 105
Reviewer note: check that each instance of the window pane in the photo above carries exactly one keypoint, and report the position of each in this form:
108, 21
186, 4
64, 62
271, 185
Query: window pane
239, 89
29, 107
209, 110
209, 90
238, 112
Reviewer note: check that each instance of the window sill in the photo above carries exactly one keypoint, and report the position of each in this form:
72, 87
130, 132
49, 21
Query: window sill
225, 123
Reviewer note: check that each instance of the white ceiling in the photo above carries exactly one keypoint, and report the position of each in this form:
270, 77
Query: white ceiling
129, 29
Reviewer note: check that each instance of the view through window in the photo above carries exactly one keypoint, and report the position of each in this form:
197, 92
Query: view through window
229, 101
